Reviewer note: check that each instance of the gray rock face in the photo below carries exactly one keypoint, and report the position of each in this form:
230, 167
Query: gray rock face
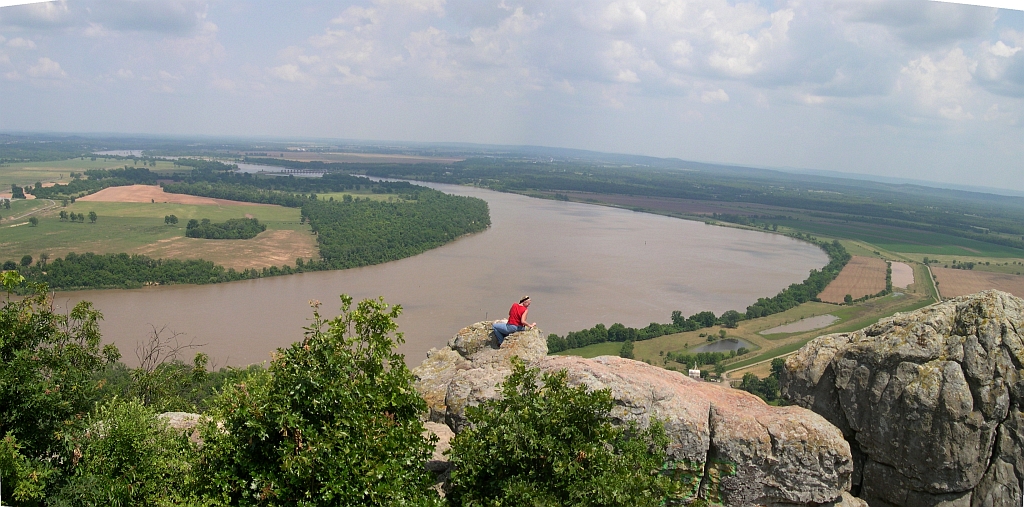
726, 445
930, 401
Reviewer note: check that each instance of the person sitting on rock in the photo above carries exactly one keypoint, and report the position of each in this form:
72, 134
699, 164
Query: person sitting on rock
516, 320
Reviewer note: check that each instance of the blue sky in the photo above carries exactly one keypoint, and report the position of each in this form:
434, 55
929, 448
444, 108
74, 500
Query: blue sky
904, 88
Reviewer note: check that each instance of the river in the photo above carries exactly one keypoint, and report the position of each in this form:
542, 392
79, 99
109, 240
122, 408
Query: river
581, 264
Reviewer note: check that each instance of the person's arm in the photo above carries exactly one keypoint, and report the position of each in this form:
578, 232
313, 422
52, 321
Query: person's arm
525, 323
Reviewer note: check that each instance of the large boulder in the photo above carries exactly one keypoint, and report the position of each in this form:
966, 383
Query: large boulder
930, 401
726, 446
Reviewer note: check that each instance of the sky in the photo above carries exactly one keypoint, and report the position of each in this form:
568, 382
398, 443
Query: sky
899, 88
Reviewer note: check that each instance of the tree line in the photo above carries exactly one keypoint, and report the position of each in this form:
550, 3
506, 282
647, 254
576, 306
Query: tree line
130, 271
233, 228
962, 214
790, 297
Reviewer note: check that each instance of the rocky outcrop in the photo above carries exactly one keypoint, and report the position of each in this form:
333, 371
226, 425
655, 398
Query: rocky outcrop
727, 446
930, 401
184, 422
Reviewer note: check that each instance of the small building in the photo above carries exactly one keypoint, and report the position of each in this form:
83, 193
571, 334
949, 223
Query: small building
695, 374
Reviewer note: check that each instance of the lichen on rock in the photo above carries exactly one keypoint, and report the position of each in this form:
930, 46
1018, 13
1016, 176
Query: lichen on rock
930, 401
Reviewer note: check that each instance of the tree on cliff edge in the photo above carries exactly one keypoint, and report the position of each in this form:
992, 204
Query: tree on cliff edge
333, 421
554, 445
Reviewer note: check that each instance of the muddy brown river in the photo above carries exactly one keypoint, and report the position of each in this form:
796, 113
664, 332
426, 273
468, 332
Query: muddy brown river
581, 264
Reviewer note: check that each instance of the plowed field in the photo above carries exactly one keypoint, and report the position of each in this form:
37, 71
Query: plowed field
958, 282
862, 276
152, 193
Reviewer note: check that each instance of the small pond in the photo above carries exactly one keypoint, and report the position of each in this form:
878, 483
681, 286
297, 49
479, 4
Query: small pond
808, 324
725, 345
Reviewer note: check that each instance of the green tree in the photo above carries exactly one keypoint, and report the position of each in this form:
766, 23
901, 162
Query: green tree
731, 318
554, 445
92, 216
778, 366
33, 221
63, 215
333, 421
847, 299
47, 363
26, 261
627, 349
127, 456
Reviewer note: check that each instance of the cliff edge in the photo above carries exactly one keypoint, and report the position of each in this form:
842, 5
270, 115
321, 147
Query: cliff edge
726, 446
930, 401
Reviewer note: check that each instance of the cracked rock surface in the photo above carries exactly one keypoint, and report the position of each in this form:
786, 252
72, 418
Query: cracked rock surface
930, 401
726, 444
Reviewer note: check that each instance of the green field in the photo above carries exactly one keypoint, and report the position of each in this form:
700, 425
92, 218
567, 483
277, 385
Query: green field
597, 349
903, 240
124, 227
27, 173
362, 194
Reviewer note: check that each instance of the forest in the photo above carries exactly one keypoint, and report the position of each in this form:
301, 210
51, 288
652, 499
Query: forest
362, 232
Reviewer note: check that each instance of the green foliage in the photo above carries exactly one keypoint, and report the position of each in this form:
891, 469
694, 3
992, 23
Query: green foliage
627, 350
365, 232
334, 421
77, 271
98, 180
234, 228
25, 481
47, 360
554, 445
126, 456
768, 387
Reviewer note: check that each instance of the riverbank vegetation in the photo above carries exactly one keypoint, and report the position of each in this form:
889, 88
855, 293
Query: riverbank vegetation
790, 297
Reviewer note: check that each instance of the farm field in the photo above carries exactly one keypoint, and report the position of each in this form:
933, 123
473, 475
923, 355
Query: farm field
153, 193
59, 171
849, 318
360, 194
139, 228
901, 240
958, 282
862, 276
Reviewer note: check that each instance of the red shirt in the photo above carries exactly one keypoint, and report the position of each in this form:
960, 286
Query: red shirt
515, 314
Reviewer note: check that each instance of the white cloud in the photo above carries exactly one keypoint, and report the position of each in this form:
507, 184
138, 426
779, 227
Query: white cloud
20, 43
46, 68
125, 74
941, 86
12, 76
290, 73
1001, 49
713, 97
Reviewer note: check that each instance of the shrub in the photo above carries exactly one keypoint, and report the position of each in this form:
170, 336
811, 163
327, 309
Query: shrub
126, 456
333, 421
554, 445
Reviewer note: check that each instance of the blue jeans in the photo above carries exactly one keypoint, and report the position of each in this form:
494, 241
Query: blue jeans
502, 329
